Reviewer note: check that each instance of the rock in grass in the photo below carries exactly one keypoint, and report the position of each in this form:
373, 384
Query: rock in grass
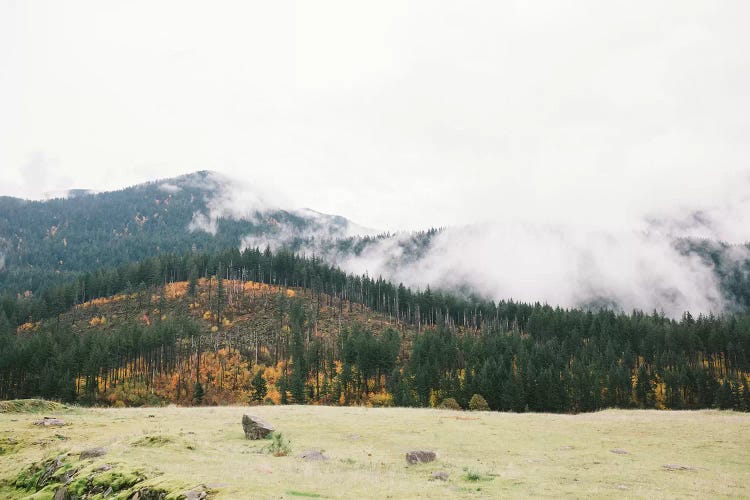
256, 428
61, 494
198, 493
419, 456
50, 421
440, 475
149, 494
93, 453
51, 467
678, 467
312, 456
619, 451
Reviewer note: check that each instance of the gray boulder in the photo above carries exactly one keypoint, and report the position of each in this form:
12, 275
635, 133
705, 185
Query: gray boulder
312, 456
49, 421
93, 453
678, 467
61, 494
256, 428
198, 493
419, 456
51, 467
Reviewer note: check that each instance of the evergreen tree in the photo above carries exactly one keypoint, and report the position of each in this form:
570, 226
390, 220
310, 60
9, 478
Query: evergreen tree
299, 368
259, 387
192, 281
219, 296
198, 393
644, 390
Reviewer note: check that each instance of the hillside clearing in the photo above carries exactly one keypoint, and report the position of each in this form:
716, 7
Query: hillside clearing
174, 449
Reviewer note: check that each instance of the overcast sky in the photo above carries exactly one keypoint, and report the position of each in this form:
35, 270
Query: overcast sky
395, 114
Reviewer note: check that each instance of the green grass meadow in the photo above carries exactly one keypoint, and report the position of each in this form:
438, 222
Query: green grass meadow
485, 454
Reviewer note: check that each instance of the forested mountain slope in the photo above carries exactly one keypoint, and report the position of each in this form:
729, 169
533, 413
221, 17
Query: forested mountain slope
43, 241
265, 327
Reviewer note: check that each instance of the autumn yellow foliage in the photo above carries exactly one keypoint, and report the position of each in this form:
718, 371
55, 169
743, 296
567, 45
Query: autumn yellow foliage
27, 327
98, 321
103, 301
176, 290
380, 400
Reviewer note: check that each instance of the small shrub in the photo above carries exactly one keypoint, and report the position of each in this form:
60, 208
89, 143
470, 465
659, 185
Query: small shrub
79, 487
435, 397
27, 479
478, 403
449, 404
380, 400
474, 476
279, 447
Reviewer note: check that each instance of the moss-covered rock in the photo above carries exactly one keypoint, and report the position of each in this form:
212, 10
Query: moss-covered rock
30, 406
117, 480
153, 441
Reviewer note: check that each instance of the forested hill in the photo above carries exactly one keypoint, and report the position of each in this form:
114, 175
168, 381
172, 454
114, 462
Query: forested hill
43, 241
260, 327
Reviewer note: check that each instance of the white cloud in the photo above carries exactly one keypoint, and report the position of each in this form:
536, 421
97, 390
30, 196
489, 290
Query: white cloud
596, 119
169, 188
560, 265
226, 198
400, 115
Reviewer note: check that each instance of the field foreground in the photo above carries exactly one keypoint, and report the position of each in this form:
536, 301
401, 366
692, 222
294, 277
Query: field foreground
485, 455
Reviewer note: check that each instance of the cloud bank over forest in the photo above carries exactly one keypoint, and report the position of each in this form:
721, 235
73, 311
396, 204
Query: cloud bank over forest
639, 265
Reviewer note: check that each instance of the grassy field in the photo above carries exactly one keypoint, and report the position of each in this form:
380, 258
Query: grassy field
486, 455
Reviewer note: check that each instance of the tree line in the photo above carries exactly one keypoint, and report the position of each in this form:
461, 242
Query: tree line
518, 356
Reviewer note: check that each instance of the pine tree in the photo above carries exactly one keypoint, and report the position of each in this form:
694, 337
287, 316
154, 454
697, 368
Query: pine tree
724, 397
644, 390
198, 393
259, 387
193, 281
283, 387
299, 368
219, 296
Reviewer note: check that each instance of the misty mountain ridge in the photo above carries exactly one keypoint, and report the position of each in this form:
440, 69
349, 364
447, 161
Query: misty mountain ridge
43, 242
204, 211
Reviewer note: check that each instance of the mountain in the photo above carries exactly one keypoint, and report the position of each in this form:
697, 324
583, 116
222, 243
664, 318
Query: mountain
52, 240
